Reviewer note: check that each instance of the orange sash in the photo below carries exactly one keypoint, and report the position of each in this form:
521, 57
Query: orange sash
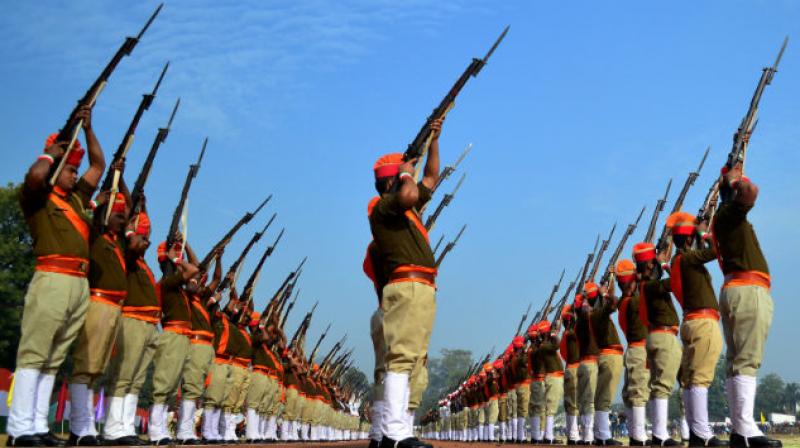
72, 216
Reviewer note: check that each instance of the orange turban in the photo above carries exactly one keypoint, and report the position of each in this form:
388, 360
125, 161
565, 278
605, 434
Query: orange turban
626, 271
388, 165
578, 300
75, 156
518, 342
498, 363
590, 288
681, 223
162, 251
533, 330
566, 312
644, 252
142, 224
482, 374
119, 203
487, 367
544, 326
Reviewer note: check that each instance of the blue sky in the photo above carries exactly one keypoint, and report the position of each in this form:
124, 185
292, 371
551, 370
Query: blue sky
579, 119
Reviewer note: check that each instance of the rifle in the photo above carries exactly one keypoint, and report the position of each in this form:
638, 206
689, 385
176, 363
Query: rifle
663, 240
289, 308
709, 206
450, 169
444, 203
562, 302
618, 251
300, 333
742, 137
651, 229
69, 132
247, 292
416, 148
111, 181
235, 266
229, 236
287, 293
585, 270
438, 243
176, 216
272, 306
319, 341
332, 352
599, 257
138, 188
522, 321
449, 246
546, 310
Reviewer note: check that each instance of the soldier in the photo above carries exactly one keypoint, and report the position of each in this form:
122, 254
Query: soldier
587, 371
700, 333
136, 340
570, 352
108, 288
57, 297
663, 348
609, 362
523, 385
636, 389
745, 303
537, 388
201, 354
179, 281
493, 391
409, 298
292, 370
554, 378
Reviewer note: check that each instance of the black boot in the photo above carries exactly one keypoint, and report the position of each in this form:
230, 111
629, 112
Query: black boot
753, 442
410, 442
75, 440
608, 442
161, 442
695, 440
31, 440
634, 442
51, 439
666, 442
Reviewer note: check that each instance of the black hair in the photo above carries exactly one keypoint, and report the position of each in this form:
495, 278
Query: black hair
382, 183
679, 240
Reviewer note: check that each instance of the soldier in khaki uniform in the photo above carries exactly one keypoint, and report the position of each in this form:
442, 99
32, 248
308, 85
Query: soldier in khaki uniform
663, 348
745, 302
57, 297
178, 282
409, 298
700, 332
636, 389
522, 388
493, 389
570, 352
108, 288
587, 371
136, 340
553, 369
537, 389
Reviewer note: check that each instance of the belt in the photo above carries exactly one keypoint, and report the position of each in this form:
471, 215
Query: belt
63, 264
702, 313
556, 374
574, 365
524, 382
265, 371
538, 377
612, 350
242, 362
114, 298
178, 327
203, 339
747, 278
413, 276
146, 314
671, 329
640, 343
588, 358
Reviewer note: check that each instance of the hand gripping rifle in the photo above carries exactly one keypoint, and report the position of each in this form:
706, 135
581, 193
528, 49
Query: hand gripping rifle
225, 283
444, 203
69, 132
651, 229
176, 215
599, 257
319, 341
250, 286
663, 240
111, 181
138, 188
416, 148
607, 275
449, 246
229, 236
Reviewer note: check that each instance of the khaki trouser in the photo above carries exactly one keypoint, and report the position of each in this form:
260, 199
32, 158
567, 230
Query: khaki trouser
746, 318
293, 407
55, 308
271, 403
134, 349
379, 347
171, 352
536, 400
571, 391
237, 391
502, 409
664, 357
609, 372
418, 385
196, 369
702, 344
491, 411
587, 386
257, 390
512, 403
523, 399
636, 389
95, 341
554, 390
409, 309
219, 378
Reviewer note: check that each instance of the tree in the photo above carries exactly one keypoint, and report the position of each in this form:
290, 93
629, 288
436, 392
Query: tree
791, 395
16, 269
769, 395
444, 373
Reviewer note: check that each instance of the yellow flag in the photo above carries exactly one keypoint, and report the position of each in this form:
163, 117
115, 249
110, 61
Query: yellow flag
763, 420
10, 392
